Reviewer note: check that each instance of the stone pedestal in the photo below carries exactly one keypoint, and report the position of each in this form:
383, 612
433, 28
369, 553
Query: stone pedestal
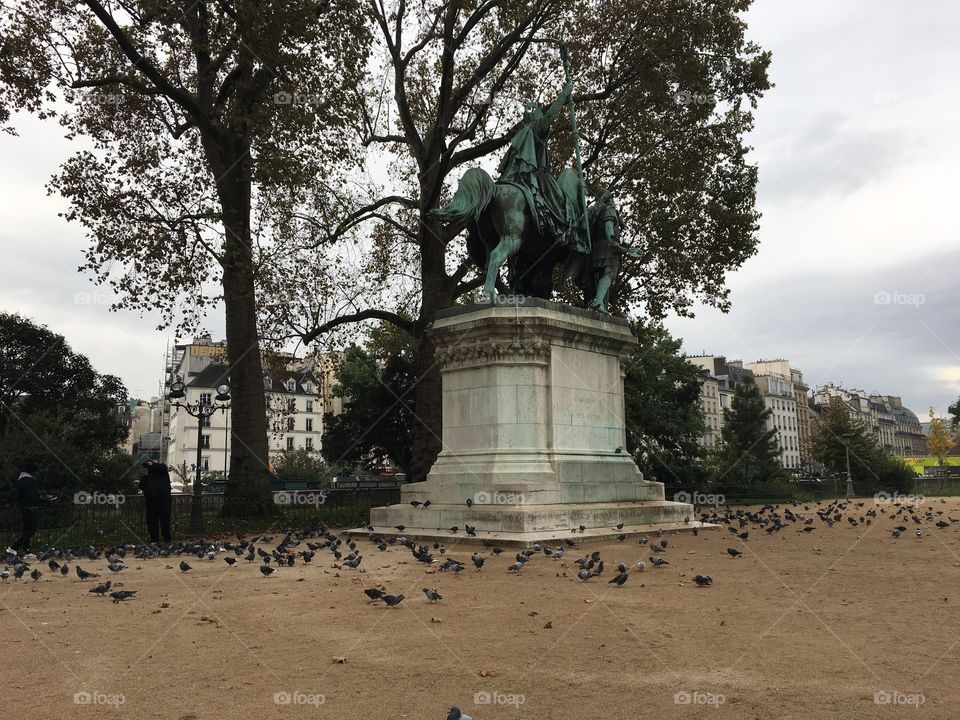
533, 429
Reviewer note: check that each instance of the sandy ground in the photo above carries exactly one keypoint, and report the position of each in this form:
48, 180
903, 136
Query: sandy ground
802, 625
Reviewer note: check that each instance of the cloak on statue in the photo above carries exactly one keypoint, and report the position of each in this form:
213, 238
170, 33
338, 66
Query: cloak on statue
554, 204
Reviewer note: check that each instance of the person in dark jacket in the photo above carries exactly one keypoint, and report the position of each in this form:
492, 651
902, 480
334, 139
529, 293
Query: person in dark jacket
29, 500
155, 485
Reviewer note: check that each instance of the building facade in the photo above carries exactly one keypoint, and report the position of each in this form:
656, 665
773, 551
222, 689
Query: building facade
294, 410
895, 427
784, 394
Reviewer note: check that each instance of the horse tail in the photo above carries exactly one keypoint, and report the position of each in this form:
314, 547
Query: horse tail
474, 193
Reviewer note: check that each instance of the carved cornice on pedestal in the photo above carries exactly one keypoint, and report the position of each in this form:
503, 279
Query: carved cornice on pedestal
533, 349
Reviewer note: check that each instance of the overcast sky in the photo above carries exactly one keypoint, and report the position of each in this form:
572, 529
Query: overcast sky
858, 150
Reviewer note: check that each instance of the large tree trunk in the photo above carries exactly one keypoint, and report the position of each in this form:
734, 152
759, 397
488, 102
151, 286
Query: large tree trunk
436, 293
248, 484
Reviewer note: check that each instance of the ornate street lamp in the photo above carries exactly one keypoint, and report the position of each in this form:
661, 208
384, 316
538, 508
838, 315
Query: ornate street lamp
200, 410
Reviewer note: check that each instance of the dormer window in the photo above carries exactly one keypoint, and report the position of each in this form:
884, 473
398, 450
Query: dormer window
291, 385
267, 382
308, 387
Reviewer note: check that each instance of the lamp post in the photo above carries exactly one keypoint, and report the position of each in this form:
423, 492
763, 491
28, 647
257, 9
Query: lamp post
201, 409
846, 446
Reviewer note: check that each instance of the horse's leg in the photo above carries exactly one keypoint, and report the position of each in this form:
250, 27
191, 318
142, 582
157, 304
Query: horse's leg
505, 249
507, 216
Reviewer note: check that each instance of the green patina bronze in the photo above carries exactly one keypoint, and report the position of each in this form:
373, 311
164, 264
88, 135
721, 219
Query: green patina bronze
541, 226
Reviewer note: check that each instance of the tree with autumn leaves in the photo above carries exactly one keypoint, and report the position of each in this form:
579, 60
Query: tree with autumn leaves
283, 157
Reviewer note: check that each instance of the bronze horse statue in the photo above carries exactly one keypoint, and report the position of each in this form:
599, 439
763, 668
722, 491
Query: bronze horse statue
502, 229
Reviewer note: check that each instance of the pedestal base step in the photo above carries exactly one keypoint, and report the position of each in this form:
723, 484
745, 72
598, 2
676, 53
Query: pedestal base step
508, 539
532, 523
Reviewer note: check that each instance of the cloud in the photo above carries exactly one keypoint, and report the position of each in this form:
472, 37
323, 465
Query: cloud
892, 331
832, 155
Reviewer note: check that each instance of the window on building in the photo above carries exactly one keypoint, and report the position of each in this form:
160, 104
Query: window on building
308, 387
205, 442
289, 423
289, 443
308, 443
292, 405
309, 424
267, 382
204, 464
309, 405
205, 421
206, 398
291, 385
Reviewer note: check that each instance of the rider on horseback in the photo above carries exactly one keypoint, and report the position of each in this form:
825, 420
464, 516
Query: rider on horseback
526, 166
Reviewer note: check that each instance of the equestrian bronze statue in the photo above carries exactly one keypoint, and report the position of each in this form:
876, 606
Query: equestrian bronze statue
536, 223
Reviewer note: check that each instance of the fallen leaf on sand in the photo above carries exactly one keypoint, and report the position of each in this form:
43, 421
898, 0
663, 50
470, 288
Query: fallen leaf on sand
488, 673
340, 660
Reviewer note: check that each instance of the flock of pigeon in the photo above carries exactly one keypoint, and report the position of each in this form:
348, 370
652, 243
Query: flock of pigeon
303, 546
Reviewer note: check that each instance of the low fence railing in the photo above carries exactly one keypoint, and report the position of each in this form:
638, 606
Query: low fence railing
122, 519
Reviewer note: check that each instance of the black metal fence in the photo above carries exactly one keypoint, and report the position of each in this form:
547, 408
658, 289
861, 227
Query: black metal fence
123, 519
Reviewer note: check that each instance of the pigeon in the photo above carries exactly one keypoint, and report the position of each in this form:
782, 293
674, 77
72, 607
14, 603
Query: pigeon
230, 561
515, 568
393, 600
478, 561
401, 528
471, 530
374, 594
119, 595
703, 580
658, 561
101, 589
64, 569
36, 574
83, 574
432, 595
619, 580
585, 575
455, 714
184, 567
733, 552
53, 565
267, 571
641, 565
